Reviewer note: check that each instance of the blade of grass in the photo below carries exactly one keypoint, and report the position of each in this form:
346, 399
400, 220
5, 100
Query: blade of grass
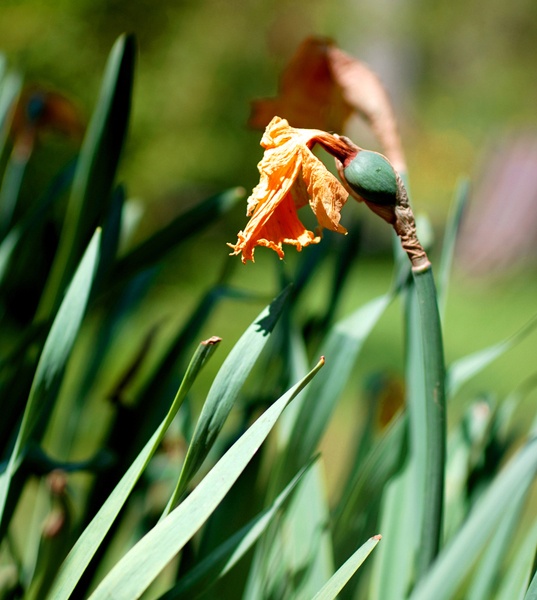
458, 557
131, 576
337, 582
224, 391
96, 169
222, 559
53, 361
87, 544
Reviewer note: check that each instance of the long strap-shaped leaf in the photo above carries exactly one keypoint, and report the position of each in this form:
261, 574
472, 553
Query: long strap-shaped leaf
96, 168
339, 579
463, 369
141, 565
53, 360
454, 562
531, 594
342, 345
224, 557
224, 391
87, 544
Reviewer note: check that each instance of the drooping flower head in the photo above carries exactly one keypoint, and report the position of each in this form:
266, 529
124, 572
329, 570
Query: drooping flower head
292, 177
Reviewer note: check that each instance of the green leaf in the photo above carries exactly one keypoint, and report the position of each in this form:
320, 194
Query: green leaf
53, 361
337, 582
296, 554
393, 563
87, 544
380, 464
465, 368
10, 87
225, 389
341, 347
514, 582
457, 558
450, 237
433, 420
485, 580
152, 250
96, 169
199, 579
131, 576
531, 594
23, 230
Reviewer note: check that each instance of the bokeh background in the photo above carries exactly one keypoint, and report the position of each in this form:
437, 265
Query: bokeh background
463, 79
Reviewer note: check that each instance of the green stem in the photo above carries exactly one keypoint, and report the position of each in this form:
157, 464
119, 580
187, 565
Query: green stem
435, 419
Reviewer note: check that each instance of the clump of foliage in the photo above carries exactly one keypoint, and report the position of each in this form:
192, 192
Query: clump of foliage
174, 502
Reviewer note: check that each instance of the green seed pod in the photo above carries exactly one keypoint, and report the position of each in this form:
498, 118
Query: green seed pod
371, 176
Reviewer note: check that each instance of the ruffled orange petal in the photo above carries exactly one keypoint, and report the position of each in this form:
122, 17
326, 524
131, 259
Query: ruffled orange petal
283, 227
291, 177
327, 195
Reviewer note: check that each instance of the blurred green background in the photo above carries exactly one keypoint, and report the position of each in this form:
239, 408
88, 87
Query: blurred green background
463, 78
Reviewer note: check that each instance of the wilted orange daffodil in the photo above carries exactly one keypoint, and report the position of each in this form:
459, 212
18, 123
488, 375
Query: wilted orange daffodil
291, 177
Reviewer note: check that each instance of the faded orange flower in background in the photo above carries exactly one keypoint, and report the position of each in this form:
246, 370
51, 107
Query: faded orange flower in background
292, 177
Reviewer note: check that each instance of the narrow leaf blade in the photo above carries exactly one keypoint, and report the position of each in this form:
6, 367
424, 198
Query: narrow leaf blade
337, 582
131, 576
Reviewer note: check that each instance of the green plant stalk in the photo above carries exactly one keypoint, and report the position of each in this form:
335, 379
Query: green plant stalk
435, 419
90, 540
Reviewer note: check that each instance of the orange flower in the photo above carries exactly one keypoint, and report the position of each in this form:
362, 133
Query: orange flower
291, 177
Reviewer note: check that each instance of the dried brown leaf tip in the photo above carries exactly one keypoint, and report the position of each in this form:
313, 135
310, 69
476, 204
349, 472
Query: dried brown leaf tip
291, 177
322, 87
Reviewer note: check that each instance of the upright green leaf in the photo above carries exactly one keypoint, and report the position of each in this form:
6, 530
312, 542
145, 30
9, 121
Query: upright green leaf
463, 369
224, 390
53, 361
87, 544
531, 593
150, 251
434, 420
450, 237
394, 561
296, 555
10, 87
337, 582
514, 583
131, 576
485, 579
341, 347
224, 557
458, 557
96, 169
